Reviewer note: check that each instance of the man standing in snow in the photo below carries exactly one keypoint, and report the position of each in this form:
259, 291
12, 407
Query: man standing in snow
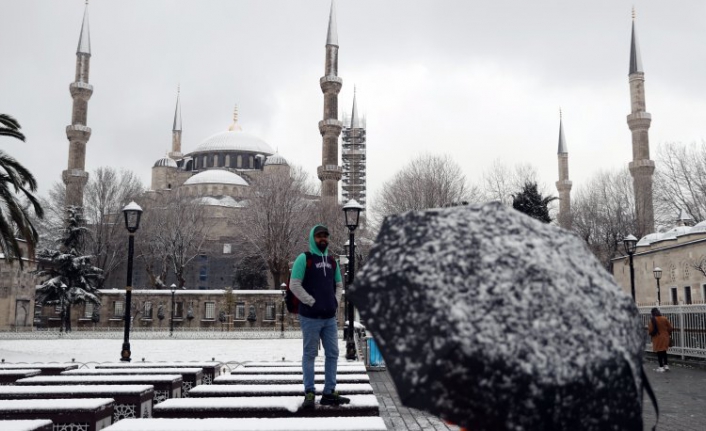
316, 282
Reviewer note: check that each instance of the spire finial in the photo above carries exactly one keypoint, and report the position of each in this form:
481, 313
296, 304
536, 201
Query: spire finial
562, 140
177, 111
633, 12
235, 125
355, 119
560, 114
332, 36
84, 41
635, 58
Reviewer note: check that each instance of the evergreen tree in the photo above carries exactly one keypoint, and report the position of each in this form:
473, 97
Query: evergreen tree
70, 277
529, 201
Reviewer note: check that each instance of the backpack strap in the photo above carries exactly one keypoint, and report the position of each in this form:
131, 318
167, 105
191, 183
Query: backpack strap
652, 396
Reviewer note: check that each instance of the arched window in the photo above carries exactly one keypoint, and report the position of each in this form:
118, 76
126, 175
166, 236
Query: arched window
686, 271
227, 163
673, 273
252, 162
239, 162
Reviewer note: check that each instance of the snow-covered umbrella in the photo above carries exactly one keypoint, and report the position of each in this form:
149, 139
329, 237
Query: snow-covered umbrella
495, 321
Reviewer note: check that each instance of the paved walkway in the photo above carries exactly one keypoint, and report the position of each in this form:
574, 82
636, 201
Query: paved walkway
681, 394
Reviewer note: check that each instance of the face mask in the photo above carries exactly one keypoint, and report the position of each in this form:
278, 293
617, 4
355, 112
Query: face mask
321, 246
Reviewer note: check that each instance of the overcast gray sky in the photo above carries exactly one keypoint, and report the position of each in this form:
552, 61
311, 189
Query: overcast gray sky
477, 80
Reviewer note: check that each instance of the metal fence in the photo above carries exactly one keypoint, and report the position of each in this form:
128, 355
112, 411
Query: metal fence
204, 334
689, 322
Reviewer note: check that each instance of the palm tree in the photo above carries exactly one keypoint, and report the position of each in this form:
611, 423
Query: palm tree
16, 182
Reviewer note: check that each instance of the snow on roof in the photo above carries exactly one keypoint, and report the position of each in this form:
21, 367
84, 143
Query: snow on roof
298, 369
189, 292
216, 176
25, 372
234, 140
368, 423
293, 378
159, 364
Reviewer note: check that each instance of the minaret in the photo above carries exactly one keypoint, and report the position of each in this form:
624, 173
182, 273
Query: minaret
176, 131
563, 185
353, 156
329, 172
639, 120
75, 177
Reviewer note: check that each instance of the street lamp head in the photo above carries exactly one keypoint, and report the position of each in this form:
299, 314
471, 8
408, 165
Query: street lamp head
658, 272
132, 213
352, 211
173, 287
630, 243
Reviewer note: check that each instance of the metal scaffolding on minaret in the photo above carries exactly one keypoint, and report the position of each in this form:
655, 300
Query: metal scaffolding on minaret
78, 133
330, 127
353, 156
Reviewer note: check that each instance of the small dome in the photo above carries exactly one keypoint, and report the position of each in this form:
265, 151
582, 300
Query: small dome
699, 227
649, 239
234, 140
165, 162
276, 159
216, 176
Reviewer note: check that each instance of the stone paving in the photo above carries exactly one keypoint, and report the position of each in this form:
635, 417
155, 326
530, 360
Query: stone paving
681, 394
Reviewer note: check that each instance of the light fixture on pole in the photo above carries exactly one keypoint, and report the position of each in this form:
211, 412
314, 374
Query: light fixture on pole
658, 274
132, 213
352, 211
283, 286
171, 319
630, 244
62, 312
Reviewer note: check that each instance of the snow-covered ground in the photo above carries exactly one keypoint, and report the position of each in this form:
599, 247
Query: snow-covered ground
86, 350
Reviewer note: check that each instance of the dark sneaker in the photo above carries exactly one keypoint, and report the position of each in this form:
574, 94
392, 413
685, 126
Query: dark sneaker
334, 399
309, 401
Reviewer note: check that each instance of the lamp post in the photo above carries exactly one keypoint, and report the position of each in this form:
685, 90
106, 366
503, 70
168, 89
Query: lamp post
62, 313
658, 274
171, 319
132, 213
352, 212
630, 243
282, 286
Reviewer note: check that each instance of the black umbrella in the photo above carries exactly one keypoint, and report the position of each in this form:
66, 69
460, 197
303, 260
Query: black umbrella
495, 321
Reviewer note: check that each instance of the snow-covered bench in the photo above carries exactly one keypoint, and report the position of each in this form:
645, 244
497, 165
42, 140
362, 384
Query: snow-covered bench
262, 407
280, 379
131, 401
191, 376
47, 369
211, 369
26, 425
363, 423
273, 390
341, 363
165, 386
9, 377
70, 414
341, 369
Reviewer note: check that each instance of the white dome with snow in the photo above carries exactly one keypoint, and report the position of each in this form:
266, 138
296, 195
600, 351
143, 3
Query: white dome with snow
234, 140
216, 176
276, 159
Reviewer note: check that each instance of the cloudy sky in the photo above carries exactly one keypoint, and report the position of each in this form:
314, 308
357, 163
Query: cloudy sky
476, 80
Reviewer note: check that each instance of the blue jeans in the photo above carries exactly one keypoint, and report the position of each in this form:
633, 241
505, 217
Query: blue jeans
327, 331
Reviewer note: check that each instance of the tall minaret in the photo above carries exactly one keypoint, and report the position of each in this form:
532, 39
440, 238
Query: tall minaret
176, 131
639, 120
75, 177
329, 172
353, 156
563, 185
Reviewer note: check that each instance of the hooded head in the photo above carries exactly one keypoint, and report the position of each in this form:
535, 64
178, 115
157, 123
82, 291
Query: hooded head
655, 312
318, 240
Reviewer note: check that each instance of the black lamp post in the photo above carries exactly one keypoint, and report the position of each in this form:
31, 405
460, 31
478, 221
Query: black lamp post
352, 212
171, 319
658, 274
630, 243
282, 286
132, 213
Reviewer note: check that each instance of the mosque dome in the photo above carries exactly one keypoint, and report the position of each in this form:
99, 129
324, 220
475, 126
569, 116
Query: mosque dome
165, 162
276, 159
699, 227
234, 140
216, 176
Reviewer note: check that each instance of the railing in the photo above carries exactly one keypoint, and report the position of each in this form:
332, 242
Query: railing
138, 334
689, 323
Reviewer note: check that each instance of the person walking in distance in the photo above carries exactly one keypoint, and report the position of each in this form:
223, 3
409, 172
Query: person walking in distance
660, 330
316, 282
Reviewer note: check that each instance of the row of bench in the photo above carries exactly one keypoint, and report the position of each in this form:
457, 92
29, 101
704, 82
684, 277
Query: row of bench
257, 396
